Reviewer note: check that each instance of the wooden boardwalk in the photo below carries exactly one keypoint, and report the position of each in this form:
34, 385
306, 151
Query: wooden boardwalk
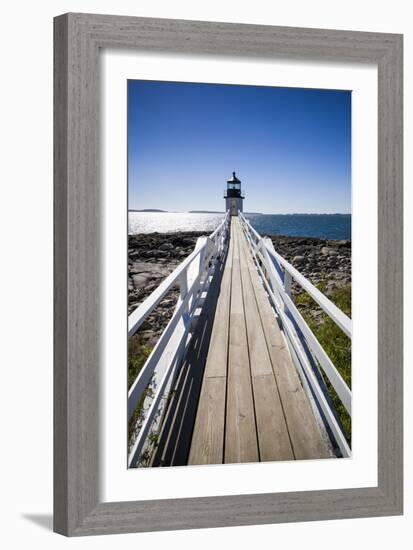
252, 405
238, 397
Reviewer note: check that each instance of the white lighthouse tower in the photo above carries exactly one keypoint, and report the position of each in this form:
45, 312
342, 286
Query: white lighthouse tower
233, 196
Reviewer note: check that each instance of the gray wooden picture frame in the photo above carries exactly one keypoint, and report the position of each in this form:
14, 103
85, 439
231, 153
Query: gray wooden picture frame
78, 39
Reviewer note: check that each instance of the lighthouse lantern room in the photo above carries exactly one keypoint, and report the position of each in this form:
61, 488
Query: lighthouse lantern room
233, 196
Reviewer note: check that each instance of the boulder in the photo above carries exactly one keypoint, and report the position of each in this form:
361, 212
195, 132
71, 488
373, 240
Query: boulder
159, 253
140, 280
298, 259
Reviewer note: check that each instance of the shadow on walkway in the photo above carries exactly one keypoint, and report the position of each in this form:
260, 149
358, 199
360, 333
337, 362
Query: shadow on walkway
175, 438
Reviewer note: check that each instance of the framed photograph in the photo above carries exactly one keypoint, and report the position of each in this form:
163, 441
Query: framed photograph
228, 274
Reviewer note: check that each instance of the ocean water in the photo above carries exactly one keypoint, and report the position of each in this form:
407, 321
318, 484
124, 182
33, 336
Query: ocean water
322, 226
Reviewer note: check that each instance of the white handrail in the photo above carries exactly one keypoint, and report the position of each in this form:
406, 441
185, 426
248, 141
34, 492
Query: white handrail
338, 316
193, 276
140, 314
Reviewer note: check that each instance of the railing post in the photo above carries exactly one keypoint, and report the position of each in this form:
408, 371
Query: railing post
287, 282
274, 275
287, 286
183, 284
183, 291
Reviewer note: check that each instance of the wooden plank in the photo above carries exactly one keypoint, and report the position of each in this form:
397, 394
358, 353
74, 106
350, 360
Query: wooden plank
259, 358
218, 350
272, 432
207, 445
240, 434
306, 438
273, 439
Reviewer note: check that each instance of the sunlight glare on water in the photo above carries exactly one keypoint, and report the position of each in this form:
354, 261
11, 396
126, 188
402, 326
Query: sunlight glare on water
321, 226
171, 222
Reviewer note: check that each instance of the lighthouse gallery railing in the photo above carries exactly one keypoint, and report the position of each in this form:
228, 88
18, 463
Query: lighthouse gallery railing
193, 276
307, 353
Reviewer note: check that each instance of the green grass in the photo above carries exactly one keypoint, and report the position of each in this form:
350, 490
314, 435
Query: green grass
334, 342
138, 353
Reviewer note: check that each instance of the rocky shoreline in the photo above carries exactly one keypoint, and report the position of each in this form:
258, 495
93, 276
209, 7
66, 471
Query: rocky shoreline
153, 256
323, 262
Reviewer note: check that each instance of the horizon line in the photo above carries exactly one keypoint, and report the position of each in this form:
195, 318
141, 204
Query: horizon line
161, 211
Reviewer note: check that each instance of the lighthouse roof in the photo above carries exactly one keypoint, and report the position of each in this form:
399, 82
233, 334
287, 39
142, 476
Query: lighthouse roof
234, 179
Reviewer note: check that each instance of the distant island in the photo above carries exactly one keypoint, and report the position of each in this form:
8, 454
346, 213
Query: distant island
148, 210
173, 212
205, 212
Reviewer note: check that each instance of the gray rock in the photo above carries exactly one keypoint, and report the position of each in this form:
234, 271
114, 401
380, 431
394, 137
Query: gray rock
140, 280
316, 313
166, 246
299, 259
159, 253
188, 242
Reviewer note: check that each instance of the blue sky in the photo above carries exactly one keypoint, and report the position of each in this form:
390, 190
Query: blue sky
290, 147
